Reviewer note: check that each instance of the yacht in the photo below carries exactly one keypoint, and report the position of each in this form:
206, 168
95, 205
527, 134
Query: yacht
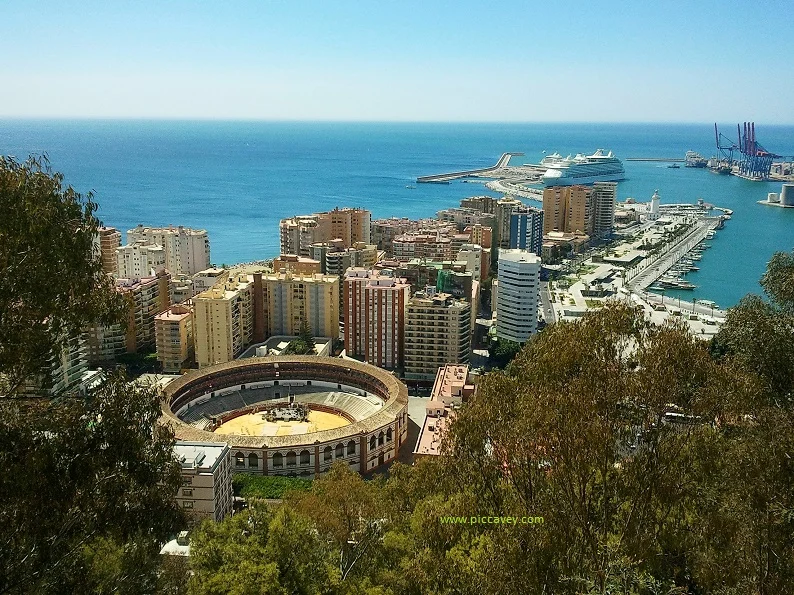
582, 169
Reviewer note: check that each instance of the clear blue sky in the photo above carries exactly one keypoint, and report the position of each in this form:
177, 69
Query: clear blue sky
692, 61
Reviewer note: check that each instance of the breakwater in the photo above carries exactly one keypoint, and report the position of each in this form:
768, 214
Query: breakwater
504, 160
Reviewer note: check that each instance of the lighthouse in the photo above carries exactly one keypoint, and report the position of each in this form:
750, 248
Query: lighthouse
653, 213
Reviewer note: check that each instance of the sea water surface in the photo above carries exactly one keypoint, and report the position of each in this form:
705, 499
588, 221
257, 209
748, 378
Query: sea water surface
238, 179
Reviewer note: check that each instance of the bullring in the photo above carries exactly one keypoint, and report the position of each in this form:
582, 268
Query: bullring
368, 404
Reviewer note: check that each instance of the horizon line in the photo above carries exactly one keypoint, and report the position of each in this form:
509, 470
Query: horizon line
350, 121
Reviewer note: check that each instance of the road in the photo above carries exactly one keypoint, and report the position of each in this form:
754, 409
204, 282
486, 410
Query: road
683, 304
545, 300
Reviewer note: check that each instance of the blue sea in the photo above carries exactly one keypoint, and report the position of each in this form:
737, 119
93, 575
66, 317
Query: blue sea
237, 179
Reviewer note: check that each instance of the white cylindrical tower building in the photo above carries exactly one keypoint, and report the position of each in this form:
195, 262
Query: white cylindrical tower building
519, 286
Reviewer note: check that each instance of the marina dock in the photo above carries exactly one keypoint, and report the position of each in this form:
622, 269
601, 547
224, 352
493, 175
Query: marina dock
642, 277
504, 160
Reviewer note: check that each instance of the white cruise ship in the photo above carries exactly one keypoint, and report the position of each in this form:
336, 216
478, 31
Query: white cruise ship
582, 169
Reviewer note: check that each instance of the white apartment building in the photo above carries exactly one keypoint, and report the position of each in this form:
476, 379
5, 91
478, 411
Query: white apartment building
187, 251
137, 260
473, 256
518, 295
64, 371
206, 490
206, 279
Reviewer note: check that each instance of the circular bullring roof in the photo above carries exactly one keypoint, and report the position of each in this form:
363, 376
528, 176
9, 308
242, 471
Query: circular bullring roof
198, 383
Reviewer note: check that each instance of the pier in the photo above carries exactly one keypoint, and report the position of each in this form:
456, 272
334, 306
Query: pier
515, 189
504, 160
657, 159
641, 277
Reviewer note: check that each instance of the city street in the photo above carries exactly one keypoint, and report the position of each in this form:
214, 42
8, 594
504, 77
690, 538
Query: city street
545, 300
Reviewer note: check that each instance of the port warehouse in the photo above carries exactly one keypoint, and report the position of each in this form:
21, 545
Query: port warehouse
372, 440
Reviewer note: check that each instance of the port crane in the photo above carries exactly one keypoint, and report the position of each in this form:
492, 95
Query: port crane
725, 149
754, 161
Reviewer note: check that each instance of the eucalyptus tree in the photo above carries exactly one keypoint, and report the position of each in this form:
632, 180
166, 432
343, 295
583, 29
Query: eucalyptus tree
88, 479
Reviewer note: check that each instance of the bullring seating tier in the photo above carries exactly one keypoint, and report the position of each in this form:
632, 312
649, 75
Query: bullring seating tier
292, 371
357, 406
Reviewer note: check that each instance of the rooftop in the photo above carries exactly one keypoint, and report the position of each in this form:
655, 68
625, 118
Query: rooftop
180, 229
202, 456
451, 383
174, 314
429, 441
517, 255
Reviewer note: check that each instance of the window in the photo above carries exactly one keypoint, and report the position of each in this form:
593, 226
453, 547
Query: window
186, 481
340, 451
187, 492
327, 453
291, 458
305, 457
187, 504
380, 439
351, 447
239, 460
253, 460
388, 435
372, 443
278, 460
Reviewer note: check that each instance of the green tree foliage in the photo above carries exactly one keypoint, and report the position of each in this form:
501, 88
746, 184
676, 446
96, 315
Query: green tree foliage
501, 352
51, 280
344, 507
88, 480
258, 552
268, 487
575, 432
305, 333
758, 336
86, 491
138, 363
303, 344
656, 467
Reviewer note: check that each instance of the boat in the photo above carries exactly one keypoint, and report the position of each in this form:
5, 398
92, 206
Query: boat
582, 169
673, 166
411, 187
695, 160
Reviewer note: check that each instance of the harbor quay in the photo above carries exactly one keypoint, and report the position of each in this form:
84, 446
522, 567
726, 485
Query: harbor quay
686, 307
649, 270
658, 246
